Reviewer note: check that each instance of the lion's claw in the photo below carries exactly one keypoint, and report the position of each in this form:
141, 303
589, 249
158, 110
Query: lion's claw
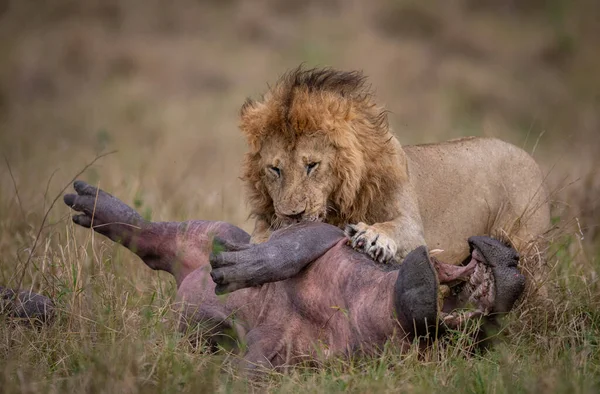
367, 239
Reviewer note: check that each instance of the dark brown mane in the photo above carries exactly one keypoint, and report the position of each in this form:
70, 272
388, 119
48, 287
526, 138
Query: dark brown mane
344, 83
340, 106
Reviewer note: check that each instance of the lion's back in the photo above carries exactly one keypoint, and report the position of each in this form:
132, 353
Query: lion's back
477, 186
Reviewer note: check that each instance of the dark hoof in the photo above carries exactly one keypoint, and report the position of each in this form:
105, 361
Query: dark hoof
26, 306
416, 294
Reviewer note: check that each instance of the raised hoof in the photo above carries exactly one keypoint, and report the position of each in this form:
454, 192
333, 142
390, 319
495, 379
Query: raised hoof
26, 306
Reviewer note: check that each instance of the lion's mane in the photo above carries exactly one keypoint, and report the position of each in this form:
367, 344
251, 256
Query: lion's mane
369, 163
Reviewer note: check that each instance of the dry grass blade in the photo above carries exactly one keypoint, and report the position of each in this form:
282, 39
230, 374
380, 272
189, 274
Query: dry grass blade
12, 177
47, 212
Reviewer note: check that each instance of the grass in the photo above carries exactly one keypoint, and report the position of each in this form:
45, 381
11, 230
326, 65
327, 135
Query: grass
111, 336
114, 331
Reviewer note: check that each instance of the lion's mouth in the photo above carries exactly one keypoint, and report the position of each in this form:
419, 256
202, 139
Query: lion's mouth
286, 221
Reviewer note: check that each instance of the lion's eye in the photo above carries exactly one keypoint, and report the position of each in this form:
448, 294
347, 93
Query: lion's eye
310, 167
275, 170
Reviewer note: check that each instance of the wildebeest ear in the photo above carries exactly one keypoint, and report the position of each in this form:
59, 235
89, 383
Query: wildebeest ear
416, 294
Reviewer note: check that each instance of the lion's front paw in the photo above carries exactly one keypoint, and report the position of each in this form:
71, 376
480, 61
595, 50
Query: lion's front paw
367, 239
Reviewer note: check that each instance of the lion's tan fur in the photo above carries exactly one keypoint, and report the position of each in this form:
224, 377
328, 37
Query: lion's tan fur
367, 164
439, 193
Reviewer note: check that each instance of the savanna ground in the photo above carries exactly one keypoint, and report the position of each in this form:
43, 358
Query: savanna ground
161, 83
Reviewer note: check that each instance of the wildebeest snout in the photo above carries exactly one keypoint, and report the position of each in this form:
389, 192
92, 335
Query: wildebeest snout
504, 260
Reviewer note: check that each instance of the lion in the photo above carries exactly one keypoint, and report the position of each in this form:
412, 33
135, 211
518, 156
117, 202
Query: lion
320, 149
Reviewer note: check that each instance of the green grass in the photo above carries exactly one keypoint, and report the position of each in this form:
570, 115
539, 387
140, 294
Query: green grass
115, 332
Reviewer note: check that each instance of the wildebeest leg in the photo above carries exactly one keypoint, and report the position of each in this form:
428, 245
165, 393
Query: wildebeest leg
264, 350
179, 248
175, 247
286, 253
26, 305
110, 216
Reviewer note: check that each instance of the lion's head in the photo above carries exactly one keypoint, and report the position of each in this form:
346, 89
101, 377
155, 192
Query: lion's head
319, 149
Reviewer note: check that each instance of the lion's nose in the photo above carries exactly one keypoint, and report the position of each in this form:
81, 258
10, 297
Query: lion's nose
295, 216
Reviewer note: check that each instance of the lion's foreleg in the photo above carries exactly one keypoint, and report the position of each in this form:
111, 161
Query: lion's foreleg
392, 240
386, 242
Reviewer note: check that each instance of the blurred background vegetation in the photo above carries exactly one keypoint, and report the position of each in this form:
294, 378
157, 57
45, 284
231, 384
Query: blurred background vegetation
161, 82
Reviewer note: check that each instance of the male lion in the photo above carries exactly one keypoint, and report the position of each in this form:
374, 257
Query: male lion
320, 149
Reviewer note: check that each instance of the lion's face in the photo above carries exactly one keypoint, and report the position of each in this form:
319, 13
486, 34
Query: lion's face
319, 148
298, 177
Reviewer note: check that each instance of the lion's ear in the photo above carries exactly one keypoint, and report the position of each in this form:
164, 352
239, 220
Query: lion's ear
253, 122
